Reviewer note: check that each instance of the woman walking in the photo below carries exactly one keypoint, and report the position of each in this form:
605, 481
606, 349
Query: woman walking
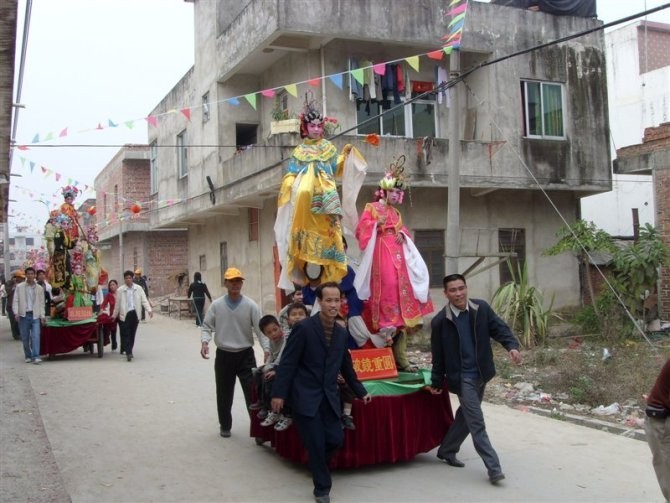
198, 289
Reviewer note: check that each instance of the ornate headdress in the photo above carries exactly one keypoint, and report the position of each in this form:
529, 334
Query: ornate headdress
70, 191
393, 179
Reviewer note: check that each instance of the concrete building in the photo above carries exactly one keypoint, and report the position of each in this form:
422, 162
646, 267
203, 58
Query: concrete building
533, 132
638, 88
125, 238
21, 245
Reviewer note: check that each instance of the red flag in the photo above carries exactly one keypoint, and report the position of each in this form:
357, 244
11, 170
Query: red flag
436, 54
187, 113
152, 120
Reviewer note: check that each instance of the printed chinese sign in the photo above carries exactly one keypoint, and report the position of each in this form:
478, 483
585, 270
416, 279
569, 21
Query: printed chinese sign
374, 363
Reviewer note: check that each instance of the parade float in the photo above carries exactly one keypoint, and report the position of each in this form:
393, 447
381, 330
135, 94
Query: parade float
73, 271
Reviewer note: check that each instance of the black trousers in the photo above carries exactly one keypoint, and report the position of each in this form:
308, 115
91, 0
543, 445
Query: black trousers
229, 365
128, 329
199, 310
321, 435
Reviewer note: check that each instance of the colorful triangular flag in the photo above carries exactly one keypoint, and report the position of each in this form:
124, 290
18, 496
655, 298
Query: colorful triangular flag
292, 89
251, 98
336, 79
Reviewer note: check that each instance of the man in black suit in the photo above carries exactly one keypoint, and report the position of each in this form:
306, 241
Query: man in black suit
315, 353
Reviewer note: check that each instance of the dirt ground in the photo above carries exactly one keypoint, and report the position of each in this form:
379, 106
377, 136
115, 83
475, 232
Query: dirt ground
577, 375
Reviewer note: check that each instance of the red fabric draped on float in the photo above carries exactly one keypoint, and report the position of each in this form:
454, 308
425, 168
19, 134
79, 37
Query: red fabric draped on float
388, 430
54, 340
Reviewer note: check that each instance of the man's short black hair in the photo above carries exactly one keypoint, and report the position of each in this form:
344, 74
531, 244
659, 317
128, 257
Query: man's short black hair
327, 284
453, 277
28, 269
267, 320
40, 270
296, 305
128, 273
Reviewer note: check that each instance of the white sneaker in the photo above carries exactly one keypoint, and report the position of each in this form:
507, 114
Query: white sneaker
271, 419
37, 361
29, 360
283, 423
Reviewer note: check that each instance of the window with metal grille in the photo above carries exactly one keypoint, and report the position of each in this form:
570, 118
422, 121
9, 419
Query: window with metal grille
430, 244
253, 224
511, 241
182, 154
223, 259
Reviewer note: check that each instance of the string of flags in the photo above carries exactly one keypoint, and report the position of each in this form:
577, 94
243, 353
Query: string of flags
452, 41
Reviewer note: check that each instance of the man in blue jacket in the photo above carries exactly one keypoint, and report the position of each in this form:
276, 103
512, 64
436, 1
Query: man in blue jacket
460, 342
315, 352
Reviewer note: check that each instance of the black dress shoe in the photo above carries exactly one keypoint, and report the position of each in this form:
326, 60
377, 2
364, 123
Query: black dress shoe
494, 479
129, 356
451, 461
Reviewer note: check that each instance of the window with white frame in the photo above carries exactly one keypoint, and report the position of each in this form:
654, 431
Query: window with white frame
153, 167
412, 120
182, 154
543, 105
205, 107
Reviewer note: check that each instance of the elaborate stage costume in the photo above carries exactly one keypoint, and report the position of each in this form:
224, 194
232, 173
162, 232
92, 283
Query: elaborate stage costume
392, 277
308, 229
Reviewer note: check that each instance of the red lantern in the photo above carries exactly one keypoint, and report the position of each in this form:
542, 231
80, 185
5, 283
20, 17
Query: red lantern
91, 210
135, 208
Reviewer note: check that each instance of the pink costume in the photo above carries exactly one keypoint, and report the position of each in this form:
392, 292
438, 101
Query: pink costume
393, 285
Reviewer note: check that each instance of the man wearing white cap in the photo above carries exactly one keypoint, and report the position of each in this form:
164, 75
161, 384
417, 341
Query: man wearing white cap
232, 318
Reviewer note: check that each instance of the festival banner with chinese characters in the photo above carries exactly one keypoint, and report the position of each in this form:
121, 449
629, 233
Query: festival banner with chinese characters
373, 363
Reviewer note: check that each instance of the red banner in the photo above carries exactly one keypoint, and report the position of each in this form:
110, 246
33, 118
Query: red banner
374, 363
79, 313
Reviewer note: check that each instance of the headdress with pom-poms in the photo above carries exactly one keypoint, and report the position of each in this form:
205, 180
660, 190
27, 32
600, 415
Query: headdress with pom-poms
310, 114
70, 191
393, 179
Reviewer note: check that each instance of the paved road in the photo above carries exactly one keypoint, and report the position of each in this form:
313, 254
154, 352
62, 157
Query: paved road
106, 430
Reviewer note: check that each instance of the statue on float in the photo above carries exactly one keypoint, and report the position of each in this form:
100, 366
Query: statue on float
74, 265
308, 228
392, 278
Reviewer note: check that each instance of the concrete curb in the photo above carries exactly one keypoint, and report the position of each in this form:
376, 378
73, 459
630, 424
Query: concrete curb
589, 422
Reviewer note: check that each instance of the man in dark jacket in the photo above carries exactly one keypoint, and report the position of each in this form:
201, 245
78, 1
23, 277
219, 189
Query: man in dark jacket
461, 336
315, 353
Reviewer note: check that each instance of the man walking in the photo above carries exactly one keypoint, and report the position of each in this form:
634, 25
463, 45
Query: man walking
657, 427
315, 353
461, 336
232, 318
140, 280
17, 278
28, 308
129, 298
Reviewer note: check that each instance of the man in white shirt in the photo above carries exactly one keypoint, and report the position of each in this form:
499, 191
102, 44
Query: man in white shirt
28, 308
129, 298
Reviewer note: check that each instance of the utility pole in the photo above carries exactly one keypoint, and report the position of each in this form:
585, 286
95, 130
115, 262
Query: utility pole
454, 168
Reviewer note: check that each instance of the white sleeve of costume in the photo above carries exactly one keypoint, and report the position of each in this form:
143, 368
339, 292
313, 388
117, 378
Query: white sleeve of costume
364, 273
416, 269
283, 233
353, 176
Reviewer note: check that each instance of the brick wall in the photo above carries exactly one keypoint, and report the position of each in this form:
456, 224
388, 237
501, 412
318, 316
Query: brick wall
161, 255
662, 198
167, 256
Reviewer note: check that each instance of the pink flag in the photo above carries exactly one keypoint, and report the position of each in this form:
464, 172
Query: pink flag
62, 133
187, 113
379, 68
152, 120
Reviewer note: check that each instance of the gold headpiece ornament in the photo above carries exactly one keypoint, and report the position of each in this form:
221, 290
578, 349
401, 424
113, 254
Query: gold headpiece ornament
394, 178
